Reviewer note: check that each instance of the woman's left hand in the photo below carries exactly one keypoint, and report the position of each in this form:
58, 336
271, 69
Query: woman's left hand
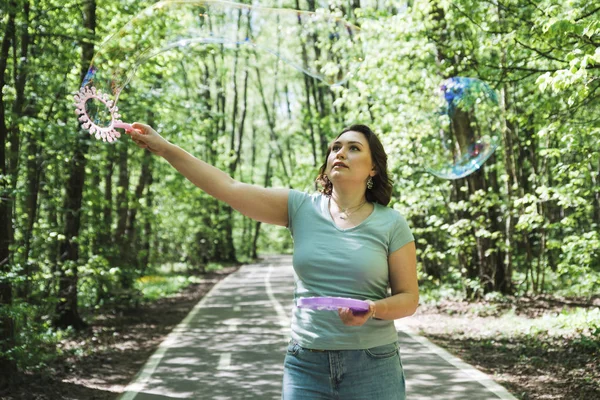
356, 318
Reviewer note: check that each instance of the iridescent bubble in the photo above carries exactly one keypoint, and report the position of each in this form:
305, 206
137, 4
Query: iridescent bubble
318, 44
464, 130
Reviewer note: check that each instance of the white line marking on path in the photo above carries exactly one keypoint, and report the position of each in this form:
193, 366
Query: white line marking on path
284, 320
469, 370
224, 361
132, 390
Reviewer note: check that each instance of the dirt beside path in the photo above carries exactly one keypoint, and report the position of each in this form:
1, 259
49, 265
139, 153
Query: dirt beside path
535, 365
112, 350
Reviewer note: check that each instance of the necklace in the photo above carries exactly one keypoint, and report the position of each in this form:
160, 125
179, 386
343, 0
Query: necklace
345, 213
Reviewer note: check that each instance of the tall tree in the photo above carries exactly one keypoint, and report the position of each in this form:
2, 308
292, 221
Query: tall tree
7, 334
67, 313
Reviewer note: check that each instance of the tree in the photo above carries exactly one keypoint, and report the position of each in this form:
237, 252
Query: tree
67, 313
7, 334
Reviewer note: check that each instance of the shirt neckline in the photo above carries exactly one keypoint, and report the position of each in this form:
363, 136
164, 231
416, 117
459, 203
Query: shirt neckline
329, 217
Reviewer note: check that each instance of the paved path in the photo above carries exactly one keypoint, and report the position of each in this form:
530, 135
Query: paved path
232, 345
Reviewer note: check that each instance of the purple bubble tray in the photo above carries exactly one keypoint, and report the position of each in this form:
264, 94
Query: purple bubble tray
332, 303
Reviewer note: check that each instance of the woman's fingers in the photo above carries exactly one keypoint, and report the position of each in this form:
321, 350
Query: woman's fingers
137, 141
147, 138
138, 136
349, 318
141, 128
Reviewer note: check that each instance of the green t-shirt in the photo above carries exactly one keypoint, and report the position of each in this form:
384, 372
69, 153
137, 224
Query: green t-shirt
329, 261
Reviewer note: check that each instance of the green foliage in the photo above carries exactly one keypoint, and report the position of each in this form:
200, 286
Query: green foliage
97, 281
539, 212
432, 292
36, 341
541, 59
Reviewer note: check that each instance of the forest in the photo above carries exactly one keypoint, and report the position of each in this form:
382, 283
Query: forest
84, 223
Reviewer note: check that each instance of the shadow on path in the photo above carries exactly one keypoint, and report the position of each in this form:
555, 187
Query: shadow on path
232, 346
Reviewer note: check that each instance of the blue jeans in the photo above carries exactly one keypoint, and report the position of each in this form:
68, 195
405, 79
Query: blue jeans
372, 374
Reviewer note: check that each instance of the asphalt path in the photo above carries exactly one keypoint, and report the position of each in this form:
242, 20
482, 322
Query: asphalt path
232, 346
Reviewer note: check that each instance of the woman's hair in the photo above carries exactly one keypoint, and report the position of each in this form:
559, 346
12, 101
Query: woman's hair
382, 185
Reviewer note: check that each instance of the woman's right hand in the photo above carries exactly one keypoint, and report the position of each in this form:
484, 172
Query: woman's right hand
147, 138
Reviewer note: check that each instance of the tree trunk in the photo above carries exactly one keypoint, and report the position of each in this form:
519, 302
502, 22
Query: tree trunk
271, 123
464, 135
130, 238
146, 247
105, 237
307, 118
34, 172
504, 283
20, 81
318, 96
15, 138
257, 225
7, 328
36, 162
66, 310
509, 130
596, 182
120, 237
226, 249
485, 258
122, 193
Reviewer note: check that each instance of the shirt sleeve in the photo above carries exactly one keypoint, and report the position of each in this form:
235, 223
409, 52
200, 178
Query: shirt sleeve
295, 200
400, 235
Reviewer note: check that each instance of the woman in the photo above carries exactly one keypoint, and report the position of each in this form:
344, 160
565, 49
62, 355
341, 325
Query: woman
347, 243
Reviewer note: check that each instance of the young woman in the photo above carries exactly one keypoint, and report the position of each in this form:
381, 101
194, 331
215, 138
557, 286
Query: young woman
347, 243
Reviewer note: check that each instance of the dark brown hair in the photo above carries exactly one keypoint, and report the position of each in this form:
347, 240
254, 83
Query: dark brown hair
382, 185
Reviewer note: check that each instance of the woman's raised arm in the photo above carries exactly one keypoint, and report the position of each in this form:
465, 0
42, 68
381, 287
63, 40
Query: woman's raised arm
267, 205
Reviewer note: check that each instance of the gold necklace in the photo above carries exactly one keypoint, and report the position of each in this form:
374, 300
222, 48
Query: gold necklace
346, 211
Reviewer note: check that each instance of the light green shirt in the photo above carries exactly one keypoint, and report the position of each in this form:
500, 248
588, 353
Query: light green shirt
330, 261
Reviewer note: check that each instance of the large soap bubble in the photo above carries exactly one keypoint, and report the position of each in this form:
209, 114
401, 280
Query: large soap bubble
316, 43
464, 129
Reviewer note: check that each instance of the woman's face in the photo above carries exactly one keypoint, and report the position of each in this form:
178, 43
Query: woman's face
350, 159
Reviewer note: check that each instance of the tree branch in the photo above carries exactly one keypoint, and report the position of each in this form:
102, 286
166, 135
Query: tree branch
540, 52
584, 16
61, 36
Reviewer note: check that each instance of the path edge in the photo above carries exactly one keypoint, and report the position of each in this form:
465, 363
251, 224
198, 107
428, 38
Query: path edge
477, 375
138, 381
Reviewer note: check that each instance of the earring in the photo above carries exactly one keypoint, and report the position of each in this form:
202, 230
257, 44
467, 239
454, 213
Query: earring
370, 183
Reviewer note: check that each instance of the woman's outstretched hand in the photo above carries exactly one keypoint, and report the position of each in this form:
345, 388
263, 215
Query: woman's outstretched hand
356, 318
147, 138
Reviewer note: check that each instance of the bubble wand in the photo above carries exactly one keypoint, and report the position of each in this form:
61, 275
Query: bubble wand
106, 133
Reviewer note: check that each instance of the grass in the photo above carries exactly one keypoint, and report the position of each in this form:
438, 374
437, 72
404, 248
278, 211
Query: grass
515, 316
539, 347
154, 287
169, 279
575, 324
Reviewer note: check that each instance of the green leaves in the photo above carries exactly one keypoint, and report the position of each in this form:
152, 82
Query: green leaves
541, 208
542, 59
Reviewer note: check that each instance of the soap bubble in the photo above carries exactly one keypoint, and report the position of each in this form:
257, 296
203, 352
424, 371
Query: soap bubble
318, 44
464, 130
